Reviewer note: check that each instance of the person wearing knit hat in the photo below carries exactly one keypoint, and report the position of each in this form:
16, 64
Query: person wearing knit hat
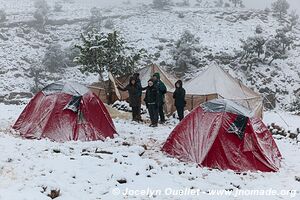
179, 97
162, 90
151, 100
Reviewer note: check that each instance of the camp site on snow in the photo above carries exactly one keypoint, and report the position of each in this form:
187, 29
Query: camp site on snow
150, 99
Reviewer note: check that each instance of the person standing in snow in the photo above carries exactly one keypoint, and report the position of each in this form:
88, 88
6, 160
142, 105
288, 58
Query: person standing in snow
162, 90
137, 79
134, 98
179, 97
151, 100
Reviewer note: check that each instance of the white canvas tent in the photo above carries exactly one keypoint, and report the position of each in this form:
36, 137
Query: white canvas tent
147, 72
217, 83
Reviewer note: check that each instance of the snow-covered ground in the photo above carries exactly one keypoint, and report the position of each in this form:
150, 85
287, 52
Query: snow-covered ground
30, 169
283, 119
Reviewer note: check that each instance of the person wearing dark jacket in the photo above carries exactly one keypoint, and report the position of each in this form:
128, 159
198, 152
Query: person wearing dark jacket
151, 100
137, 79
179, 97
134, 98
162, 90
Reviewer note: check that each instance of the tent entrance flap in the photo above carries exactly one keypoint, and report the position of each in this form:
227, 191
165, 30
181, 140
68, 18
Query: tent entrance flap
74, 104
238, 127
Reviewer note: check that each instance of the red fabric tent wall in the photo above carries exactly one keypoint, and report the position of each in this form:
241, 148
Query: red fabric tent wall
203, 137
46, 117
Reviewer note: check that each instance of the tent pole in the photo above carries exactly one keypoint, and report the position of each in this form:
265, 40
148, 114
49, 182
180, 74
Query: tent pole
99, 93
192, 102
276, 111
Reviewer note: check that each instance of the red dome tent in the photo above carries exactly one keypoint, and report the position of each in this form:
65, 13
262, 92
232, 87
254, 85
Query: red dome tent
63, 112
221, 134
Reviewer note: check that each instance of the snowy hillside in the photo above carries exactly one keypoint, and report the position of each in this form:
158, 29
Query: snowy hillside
219, 31
133, 160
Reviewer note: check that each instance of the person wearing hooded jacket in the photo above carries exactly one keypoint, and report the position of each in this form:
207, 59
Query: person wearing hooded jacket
151, 100
134, 98
137, 79
161, 90
179, 97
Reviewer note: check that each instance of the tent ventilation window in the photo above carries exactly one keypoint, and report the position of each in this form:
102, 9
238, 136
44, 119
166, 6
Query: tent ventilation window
238, 126
74, 104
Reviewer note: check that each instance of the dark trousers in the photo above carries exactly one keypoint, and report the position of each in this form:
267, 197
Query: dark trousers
153, 112
161, 113
180, 112
139, 113
135, 113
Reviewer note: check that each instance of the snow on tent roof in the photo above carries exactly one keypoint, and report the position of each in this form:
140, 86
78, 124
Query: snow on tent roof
71, 88
215, 80
224, 105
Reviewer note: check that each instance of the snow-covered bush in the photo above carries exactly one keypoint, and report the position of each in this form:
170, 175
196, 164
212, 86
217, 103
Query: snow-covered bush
280, 7
259, 50
58, 7
41, 12
258, 29
109, 24
35, 72
161, 4
54, 59
126, 2
95, 14
267, 10
180, 15
226, 5
70, 54
186, 53
219, 3
293, 19
285, 38
274, 51
68, 1
95, 21
183, 3
2, 15
295, 106
237, 3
